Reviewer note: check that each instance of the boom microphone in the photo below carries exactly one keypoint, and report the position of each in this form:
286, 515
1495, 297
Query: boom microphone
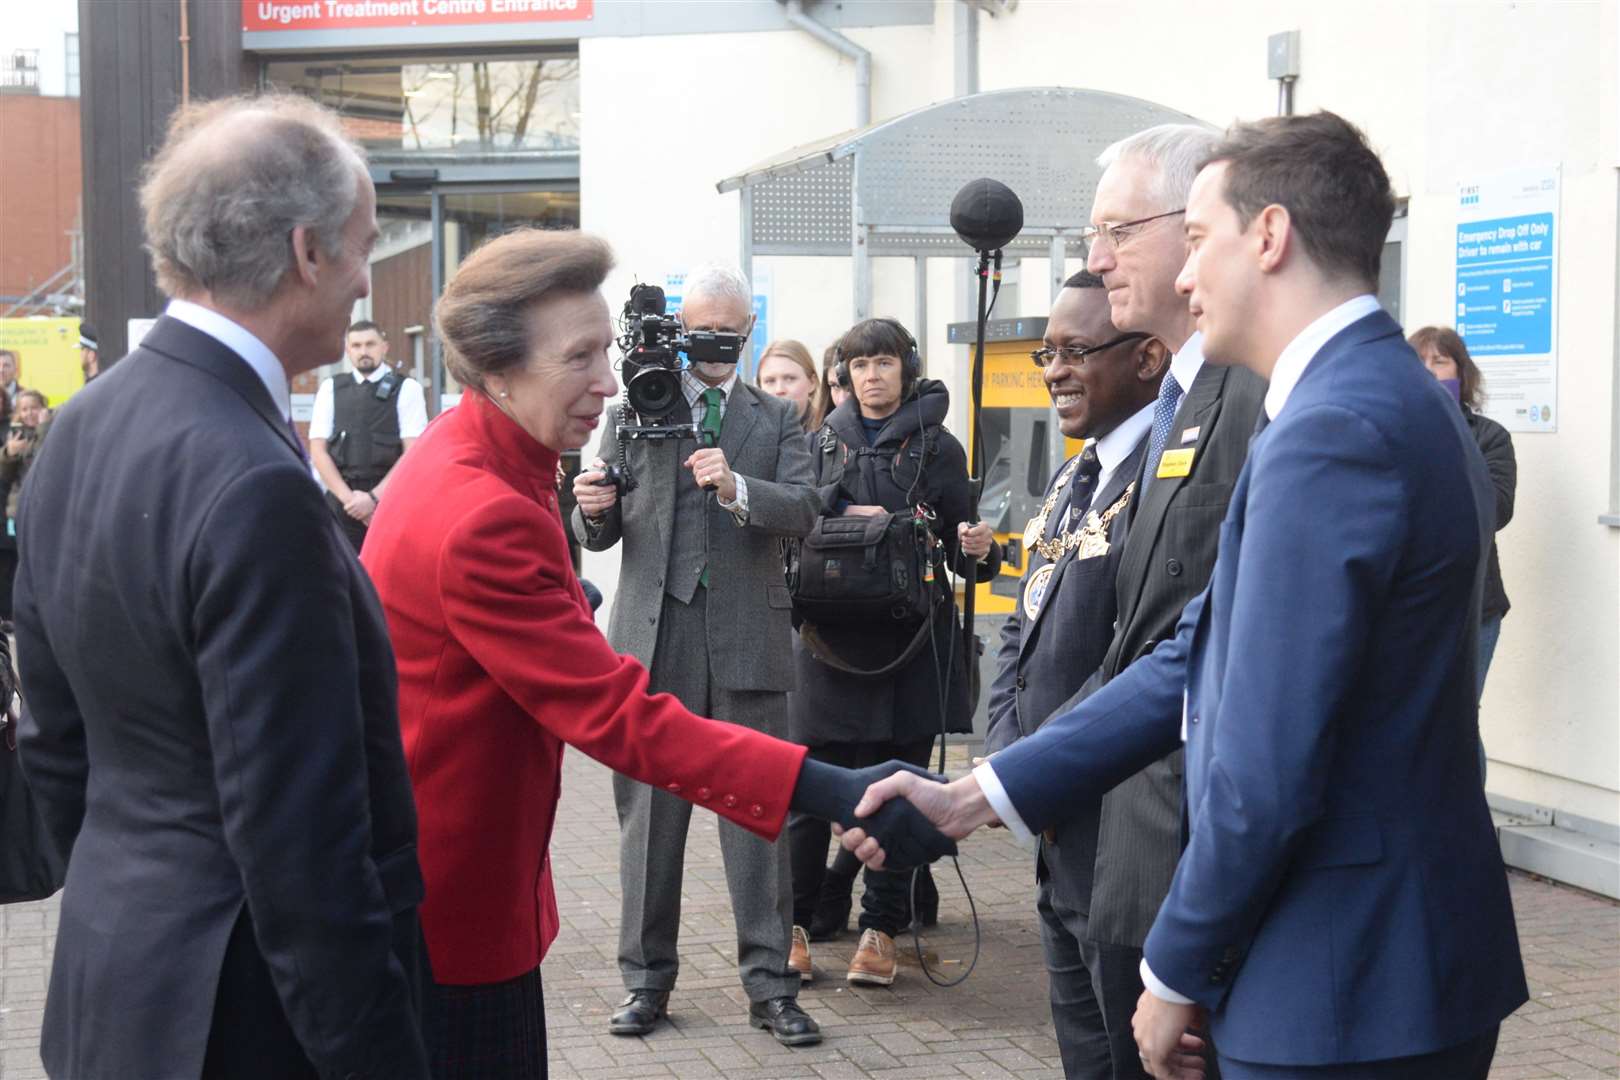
986, 214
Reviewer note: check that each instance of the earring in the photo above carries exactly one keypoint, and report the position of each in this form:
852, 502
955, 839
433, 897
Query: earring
504, 394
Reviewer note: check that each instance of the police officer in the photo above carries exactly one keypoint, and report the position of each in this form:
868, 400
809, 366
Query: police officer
361, 425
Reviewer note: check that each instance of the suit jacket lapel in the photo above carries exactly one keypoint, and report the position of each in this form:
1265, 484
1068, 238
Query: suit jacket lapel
1198, 409
183, 342
742, 412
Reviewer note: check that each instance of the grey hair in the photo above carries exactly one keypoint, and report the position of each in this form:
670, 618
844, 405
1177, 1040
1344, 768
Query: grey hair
231, 181
1176, 151
718, 279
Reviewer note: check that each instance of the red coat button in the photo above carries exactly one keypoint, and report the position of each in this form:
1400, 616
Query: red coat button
704, 793
673, 789
730, 801
757, 810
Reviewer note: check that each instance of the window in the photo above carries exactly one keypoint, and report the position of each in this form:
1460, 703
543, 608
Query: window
496, 105
71, 47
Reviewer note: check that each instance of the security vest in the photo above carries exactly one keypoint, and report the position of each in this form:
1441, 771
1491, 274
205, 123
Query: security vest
365, 429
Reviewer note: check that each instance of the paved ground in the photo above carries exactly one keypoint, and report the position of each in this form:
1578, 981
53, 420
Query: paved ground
994, 1025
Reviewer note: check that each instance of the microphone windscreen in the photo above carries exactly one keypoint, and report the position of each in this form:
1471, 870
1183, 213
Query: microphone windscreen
986, 214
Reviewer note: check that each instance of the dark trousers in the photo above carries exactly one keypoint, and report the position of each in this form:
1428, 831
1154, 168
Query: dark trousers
1466, 1061
886, 903
1093, 989
250, 1037
354, 530
494, 1031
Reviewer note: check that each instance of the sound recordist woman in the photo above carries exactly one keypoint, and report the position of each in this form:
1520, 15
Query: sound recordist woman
884, 450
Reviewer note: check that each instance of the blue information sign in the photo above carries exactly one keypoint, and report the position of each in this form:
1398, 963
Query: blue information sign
1505, 285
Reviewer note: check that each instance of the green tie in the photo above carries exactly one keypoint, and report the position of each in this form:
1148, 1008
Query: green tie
713, 400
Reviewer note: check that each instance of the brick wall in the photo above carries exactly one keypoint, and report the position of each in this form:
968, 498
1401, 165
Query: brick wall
39, 188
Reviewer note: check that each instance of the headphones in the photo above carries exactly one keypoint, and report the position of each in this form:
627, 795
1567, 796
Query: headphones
910, 363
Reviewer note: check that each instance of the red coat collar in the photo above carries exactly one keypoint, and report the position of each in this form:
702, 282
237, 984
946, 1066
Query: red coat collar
510, 447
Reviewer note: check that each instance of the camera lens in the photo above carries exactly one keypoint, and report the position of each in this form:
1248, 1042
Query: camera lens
653, 392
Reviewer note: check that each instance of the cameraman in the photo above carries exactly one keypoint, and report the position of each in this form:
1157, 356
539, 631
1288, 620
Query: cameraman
23, 438
701, 603
884, 450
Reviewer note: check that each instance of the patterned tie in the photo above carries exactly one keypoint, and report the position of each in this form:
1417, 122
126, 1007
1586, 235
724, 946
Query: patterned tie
1164, 414
713, 400
1084, 488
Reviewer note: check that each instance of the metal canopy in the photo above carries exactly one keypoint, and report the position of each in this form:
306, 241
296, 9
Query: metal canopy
886, 190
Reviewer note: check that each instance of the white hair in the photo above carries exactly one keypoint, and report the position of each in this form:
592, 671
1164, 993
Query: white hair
1176, 152
718, 280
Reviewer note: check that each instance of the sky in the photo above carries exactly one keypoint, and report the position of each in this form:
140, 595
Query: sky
40, 24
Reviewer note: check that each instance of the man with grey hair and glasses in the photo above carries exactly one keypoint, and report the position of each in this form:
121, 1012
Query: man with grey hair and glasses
212, 728
1202, 422
702, 603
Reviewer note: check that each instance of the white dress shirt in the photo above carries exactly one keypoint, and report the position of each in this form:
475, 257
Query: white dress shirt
1112, 449
1188, 361
410, 406
241, 342
693, 388
1293, 361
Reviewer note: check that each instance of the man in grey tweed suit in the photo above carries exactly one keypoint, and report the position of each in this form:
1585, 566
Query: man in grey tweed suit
702, 603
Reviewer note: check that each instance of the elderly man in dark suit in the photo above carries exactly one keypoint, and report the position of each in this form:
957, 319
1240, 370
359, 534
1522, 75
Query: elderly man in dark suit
702, 602
212, 724
1103, 384
1202, 422
1341, 910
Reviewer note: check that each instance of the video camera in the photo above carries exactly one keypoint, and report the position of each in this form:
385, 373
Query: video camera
651, 344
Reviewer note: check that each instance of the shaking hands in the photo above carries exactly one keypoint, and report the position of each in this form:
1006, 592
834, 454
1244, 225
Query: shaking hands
955, 809
898, 830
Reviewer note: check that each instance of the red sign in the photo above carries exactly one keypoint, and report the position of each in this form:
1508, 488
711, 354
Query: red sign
357, 14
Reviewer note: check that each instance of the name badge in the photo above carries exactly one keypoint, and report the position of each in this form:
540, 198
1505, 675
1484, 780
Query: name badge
1175, 463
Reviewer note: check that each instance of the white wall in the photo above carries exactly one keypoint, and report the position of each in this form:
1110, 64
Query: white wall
1443, 89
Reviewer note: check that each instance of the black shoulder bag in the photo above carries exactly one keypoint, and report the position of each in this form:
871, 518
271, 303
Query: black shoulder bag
863, 570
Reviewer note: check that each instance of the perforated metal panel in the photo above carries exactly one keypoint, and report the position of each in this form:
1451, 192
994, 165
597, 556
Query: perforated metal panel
805, 213
1043, 143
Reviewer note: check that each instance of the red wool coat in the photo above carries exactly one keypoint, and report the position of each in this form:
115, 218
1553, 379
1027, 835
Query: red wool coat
500, 664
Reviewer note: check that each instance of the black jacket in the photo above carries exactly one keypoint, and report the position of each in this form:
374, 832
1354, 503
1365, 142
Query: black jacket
1497, 446
913, 460
212, 727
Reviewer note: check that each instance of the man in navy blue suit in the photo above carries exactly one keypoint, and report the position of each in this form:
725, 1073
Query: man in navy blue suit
1340, 909
212, 726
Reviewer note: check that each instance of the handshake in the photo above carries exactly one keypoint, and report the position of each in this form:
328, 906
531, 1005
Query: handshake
893, 816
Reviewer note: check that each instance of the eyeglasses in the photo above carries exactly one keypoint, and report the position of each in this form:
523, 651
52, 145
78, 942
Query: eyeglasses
1115, 236
1072, 355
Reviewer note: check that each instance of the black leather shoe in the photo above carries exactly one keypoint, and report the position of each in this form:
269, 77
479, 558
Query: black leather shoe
790, 1024
638, 1014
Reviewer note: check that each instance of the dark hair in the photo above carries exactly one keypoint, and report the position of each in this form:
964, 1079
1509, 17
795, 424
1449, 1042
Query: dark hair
362, 325
880, 337
1320, 169
483, 316
1085, 279
1450, 343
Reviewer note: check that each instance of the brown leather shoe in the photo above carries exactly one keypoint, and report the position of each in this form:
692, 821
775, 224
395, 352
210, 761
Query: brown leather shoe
874, 960
799, 958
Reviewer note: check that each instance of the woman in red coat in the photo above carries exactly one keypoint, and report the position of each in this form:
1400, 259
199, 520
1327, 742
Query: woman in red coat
499, 660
